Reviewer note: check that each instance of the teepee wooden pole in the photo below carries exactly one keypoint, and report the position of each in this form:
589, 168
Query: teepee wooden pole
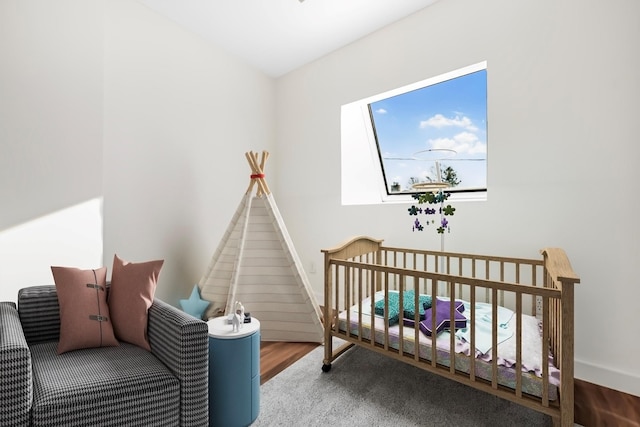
250, 159
262, 181
257, 172
265, 156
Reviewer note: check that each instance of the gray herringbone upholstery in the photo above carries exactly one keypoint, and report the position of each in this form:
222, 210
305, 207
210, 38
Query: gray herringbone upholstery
16, 377
109, 386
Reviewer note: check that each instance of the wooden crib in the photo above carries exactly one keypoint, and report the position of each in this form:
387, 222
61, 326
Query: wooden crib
361, 275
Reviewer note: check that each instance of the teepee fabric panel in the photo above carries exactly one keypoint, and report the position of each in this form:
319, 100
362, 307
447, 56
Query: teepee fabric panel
216, 281
269, 282
256, 264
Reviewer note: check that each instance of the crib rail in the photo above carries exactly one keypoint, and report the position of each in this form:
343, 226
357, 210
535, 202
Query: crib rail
361, 267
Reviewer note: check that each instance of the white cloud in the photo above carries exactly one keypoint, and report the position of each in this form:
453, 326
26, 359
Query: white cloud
439, 121
381, 111
466, 138
462, 143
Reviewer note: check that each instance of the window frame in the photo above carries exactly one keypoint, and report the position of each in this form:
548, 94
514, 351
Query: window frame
367, 132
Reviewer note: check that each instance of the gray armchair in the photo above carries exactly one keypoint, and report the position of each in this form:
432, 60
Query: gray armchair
107, 386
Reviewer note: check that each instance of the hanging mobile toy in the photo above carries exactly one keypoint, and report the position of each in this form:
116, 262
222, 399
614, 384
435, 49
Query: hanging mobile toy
432, 198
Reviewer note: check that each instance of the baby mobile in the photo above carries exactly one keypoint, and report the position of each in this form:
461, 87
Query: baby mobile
432, 198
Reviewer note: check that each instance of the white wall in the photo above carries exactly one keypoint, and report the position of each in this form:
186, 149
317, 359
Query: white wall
179, 116
562, 102
112, 116
51, 60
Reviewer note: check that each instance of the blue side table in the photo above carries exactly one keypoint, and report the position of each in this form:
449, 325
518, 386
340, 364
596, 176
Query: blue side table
234, 373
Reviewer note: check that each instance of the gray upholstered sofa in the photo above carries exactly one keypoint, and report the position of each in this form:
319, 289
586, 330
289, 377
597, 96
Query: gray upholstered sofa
107, 386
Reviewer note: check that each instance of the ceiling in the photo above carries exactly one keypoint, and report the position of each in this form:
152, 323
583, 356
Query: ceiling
278, 36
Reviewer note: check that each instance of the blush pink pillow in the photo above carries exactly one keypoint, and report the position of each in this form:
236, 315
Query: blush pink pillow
85, 321
133, 286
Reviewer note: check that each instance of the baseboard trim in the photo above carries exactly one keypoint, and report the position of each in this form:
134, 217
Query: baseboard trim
610, 377
596, 405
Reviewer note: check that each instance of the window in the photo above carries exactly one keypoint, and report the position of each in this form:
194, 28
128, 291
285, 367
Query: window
428, 135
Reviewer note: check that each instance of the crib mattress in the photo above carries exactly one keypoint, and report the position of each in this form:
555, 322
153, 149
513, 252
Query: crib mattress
531, 364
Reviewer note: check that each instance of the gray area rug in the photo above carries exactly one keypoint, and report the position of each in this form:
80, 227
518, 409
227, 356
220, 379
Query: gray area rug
364, 388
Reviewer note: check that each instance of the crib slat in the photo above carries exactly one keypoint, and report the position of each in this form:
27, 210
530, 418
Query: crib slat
434, 354
337, 282
519, 344
545, 351
494, 338
347, 299
452, 332
401, 316
373, 286
487, 277
502, 280
360, 299
386, 314
533, 300
472, 369
416, 329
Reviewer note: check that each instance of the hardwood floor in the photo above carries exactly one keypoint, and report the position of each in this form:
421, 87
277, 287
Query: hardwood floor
276, 356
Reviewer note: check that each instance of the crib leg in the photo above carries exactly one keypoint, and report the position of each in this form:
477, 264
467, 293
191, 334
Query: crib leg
328, 355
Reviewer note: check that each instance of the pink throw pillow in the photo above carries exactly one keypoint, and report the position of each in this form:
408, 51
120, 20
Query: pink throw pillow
85, 321
133, 286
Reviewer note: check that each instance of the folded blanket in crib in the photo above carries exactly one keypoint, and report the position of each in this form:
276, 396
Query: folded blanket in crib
484, 324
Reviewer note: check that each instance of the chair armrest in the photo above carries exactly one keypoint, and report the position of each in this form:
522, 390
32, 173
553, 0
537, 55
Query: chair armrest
39, 313
181, 342
16, 377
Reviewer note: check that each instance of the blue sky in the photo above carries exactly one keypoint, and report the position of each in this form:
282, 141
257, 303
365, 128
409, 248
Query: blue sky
445, 122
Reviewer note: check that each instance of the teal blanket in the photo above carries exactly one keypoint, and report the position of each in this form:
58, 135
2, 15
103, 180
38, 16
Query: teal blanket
408, 305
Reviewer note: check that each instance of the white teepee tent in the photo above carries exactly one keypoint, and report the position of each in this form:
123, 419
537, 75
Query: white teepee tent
256, 264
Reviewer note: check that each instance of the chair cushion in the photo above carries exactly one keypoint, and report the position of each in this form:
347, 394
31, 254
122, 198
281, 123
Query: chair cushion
123, 385
133, 286
85, 321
